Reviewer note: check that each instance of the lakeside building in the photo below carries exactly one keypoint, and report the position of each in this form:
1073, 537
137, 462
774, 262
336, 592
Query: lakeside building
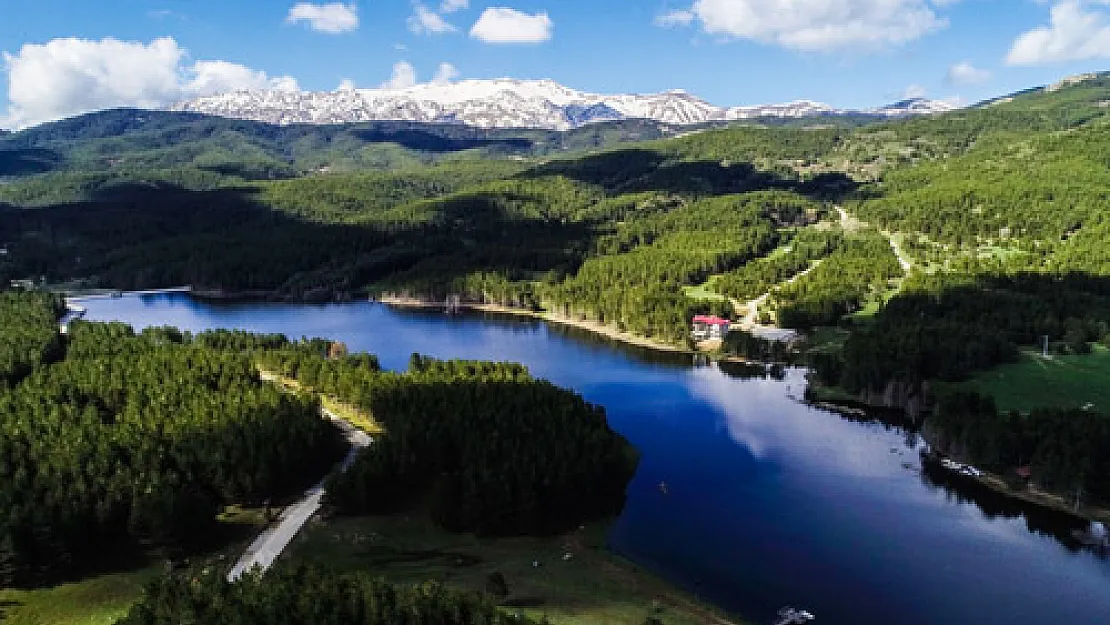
709, 327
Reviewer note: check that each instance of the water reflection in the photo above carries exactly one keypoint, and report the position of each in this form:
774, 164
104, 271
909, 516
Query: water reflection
1058, 524
769, 501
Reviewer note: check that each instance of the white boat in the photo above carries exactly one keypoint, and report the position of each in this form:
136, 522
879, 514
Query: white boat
792, 616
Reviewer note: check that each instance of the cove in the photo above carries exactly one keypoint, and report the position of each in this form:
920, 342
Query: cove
768, 502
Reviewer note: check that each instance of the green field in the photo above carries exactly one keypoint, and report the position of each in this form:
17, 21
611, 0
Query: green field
705, 291
96, 601
102, 599
1058, 381
593, 587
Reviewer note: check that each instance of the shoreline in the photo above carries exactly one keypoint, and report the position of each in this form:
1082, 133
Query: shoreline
1030, 494
599, 329
854, 409
997, 483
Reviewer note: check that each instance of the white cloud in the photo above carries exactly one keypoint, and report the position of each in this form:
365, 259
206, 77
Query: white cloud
1076, 31
334, 18
66, 77
425, 20
404, 76
964, 73
445, 73
815, 25
346, 85
504, 25
670, 19
450, 6
914, 92
211, 77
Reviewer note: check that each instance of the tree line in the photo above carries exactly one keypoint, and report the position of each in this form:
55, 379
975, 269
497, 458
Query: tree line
137, 441
1067, 451
315, 595
484, 446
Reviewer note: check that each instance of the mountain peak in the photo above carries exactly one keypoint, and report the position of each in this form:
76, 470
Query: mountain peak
507, 103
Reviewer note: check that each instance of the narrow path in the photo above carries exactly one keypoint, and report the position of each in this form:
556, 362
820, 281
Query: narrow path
903, 260
271, 542
750, 321
848, 223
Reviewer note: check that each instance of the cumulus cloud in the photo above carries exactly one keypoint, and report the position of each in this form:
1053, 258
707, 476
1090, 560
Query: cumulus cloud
505, 25
450, 6
914, 92
964, 73
346, 85
66, 77
445, 73
814, 25
427, 21
333, 19
403, 77
1076, 31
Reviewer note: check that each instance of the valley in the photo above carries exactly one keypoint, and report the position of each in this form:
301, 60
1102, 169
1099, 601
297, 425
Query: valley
949, 266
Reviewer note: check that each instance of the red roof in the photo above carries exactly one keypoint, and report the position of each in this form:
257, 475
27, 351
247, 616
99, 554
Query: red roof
713, 321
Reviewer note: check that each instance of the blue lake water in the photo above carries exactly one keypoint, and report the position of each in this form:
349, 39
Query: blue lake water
769, 502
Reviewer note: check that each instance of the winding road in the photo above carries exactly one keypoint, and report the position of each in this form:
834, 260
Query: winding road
750, 321
271, 542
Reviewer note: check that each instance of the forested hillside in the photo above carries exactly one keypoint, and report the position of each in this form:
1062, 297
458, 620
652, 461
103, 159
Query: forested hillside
965, 238
126, 442
120, 144
311, 595
115, 442
486, 447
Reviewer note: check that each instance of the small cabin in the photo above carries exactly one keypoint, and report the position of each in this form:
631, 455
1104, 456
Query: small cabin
709, 327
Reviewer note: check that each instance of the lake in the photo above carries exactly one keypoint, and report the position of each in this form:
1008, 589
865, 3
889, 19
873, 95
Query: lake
767, 502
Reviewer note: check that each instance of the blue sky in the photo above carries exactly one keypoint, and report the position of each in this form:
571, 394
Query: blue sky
849, 53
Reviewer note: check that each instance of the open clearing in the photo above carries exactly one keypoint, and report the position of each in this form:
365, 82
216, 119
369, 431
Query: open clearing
591, 588
1059, 381
99, 600
705, 291
104, 598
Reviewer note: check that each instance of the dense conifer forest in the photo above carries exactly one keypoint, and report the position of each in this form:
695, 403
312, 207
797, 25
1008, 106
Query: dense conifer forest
115, 441
310, 595
486, 447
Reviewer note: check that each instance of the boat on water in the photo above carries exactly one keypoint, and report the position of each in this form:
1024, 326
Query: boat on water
1096, 536
793, 616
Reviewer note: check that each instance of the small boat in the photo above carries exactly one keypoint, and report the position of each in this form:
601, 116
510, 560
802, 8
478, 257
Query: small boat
792, 616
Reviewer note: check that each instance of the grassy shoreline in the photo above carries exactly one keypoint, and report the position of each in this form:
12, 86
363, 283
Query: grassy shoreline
593, 586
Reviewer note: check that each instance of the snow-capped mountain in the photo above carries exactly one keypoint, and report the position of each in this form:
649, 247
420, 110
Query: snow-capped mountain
507, 103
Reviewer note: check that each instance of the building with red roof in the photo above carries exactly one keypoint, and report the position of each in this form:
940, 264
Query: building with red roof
709, 327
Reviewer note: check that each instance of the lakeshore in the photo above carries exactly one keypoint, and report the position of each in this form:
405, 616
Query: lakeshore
746, 467
600, 329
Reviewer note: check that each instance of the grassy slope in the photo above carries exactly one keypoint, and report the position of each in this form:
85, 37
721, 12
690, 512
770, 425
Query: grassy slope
705, 291
95, 601
102, 599
1060, 381
592, 588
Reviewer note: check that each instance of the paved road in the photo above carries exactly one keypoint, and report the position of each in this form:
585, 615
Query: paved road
270, 543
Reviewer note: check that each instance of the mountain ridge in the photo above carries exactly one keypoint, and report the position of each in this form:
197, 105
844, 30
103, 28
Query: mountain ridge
510, 103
